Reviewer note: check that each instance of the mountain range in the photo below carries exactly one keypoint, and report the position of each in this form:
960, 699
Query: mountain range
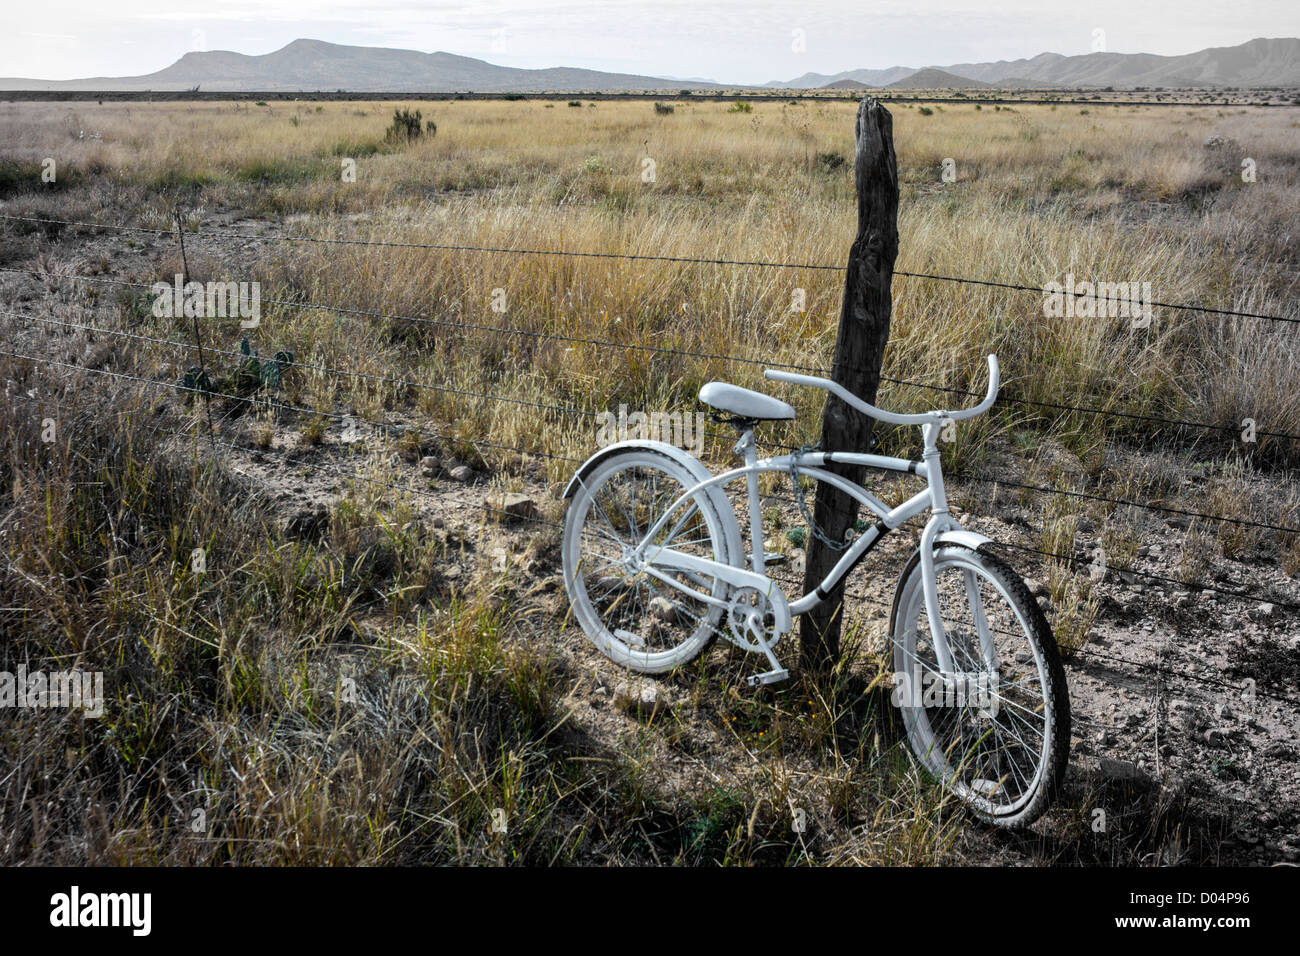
314, 65
1257, 63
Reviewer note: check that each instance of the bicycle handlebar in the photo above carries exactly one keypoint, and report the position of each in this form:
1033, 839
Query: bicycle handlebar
893, 418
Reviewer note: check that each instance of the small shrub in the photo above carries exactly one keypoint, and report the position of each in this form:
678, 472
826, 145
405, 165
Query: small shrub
405, 126
313, 433
663, 109
577, 103
741, 107
926, 111
829, 162
1194, 560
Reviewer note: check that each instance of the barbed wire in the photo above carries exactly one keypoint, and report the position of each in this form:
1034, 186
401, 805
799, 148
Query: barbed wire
264, 403
388, 426
1088, 651
632, 256
994, 480
683, 353
986, 479
1075, 563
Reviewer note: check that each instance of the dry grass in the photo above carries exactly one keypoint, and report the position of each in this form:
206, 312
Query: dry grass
1040, 194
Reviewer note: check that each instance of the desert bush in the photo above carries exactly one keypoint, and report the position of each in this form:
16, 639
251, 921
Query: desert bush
405, 126
831, 161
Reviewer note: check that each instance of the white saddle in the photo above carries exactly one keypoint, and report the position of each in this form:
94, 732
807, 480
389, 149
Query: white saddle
744, 403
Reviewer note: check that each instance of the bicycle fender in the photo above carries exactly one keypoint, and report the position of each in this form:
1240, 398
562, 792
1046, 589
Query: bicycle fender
960, 536
683, 458
717, 497
967, 539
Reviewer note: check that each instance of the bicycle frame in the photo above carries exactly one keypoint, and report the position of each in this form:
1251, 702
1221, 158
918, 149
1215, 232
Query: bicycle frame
933, 499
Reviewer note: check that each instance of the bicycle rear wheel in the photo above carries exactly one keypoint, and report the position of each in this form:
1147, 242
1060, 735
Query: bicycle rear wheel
996, 729
628, 609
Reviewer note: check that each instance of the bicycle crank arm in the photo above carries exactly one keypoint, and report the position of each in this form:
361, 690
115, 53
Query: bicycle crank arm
669, 559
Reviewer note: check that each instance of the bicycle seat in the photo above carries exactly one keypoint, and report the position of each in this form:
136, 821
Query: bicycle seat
744, 403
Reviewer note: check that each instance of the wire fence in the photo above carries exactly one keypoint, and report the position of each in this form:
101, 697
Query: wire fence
632, 256
1119, 575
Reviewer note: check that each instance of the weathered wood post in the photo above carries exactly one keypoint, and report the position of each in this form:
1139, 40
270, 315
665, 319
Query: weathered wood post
859, 351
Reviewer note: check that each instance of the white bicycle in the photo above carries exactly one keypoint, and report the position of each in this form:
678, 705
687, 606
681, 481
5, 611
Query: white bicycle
656, 569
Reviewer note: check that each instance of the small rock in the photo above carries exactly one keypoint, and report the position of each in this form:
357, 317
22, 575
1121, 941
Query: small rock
430, 466
664, 610
1280, 750
639, 698
513, 505
1109, 768
462, 473
1035, 586
306, 523
439, 523
1262, 612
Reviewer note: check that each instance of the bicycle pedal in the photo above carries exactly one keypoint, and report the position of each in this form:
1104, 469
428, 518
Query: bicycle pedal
767, 677
773, 558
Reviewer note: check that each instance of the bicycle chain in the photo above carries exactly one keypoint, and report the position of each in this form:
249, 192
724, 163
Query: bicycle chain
802, 498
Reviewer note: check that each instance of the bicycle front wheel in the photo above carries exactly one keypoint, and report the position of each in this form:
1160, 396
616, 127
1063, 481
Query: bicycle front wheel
995, 729
642, 616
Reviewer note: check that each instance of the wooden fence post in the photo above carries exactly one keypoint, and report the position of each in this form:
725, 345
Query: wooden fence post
859, 351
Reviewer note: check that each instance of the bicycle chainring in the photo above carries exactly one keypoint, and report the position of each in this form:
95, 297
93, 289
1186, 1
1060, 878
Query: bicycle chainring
751, 610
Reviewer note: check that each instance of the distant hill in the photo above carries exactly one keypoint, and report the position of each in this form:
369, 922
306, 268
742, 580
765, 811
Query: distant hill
1261, 62
309, 65
1257, 63
846, 85
874, 79
932, 79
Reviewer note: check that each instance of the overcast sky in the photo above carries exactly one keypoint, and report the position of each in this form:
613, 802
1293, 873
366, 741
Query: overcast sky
727, 40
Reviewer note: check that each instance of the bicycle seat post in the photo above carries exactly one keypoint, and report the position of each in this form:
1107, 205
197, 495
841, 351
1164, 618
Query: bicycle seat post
747, 448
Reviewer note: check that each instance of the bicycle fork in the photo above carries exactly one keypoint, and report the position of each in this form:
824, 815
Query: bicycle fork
941, 520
